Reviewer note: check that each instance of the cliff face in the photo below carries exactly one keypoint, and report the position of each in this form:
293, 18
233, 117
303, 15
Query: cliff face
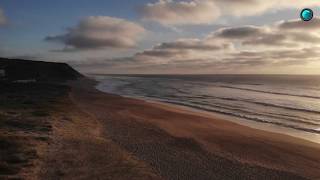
16, 69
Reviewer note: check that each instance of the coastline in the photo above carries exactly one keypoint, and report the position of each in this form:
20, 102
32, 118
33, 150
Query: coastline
221, 138
269, 128
297, 131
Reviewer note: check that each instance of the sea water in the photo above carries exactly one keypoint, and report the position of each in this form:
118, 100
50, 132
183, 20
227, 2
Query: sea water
288, 104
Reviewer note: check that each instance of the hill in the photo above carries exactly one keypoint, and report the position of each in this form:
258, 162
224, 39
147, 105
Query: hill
17, 69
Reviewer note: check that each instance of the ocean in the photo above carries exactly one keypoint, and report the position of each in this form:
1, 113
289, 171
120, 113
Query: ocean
288, 104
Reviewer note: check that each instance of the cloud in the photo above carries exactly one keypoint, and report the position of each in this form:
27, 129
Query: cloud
96, 32
285, 34
239, 8
190, 12
299, 25
3, 19
192, 44
183, 48
170, 12
253, 35
247, 48
239, 32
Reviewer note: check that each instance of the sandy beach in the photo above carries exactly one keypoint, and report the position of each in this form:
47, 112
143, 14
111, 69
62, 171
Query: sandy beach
179, 144
83, 133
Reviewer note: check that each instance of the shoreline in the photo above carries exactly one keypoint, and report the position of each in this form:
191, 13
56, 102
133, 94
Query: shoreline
130, 122
271, 128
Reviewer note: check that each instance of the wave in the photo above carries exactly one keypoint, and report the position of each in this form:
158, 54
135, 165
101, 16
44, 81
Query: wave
264, 104
269, 92
237, 109
278, 116
287, 107
246, 117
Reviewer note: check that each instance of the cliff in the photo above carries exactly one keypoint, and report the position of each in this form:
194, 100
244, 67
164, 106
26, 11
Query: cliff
17, 69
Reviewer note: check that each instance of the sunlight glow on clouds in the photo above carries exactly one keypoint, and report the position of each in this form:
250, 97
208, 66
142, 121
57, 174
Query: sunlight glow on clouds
100, 32
233, 48
169, 12
245, 37
191, 12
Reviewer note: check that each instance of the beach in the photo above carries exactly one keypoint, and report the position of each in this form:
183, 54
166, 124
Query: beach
96, 135
180, 144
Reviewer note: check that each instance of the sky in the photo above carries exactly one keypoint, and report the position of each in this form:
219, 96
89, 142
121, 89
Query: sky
164, 36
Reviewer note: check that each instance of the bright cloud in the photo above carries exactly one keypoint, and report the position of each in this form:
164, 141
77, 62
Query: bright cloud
100, 32
255, 7
169, 12
191, 12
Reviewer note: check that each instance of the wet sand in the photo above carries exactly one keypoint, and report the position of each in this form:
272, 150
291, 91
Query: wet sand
180, 144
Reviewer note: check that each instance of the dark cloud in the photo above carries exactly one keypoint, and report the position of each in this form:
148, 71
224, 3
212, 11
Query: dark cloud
160, 53
239, 32
268, 35
193, 44
99, 32
252, 35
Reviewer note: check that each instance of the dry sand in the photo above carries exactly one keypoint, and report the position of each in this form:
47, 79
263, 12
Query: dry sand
44, 135
179, 144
